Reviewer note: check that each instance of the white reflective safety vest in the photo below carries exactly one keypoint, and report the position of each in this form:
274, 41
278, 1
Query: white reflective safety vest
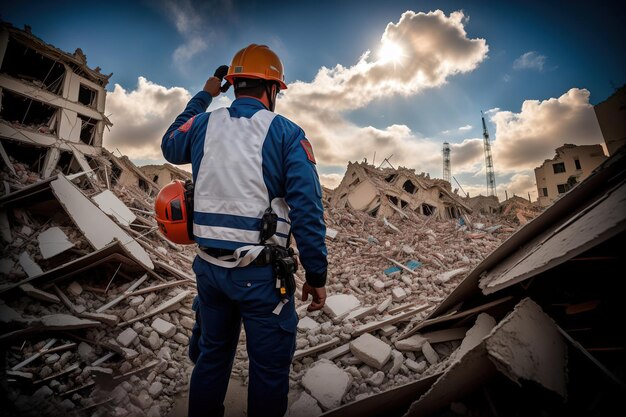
230, 195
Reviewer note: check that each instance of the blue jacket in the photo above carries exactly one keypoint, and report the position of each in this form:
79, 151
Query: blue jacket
243, 159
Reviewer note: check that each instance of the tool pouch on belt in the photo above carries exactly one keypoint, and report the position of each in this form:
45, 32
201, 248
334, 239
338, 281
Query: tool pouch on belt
285, 267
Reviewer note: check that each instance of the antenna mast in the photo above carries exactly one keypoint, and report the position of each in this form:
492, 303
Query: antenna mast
491, 176
446, 161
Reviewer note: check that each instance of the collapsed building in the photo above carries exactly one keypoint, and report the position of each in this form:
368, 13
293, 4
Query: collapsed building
162, 175
387, 192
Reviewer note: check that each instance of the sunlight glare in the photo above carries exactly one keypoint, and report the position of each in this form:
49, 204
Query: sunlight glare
390, 52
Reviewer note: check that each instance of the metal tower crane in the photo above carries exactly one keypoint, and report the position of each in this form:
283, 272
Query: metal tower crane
491, 176
446, 161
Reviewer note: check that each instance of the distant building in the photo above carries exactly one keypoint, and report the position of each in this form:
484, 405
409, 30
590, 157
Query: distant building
387, 192
571, 165
162, 175
611, 114
52, 105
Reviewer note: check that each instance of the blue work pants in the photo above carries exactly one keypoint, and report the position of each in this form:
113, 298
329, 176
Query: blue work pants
226, 297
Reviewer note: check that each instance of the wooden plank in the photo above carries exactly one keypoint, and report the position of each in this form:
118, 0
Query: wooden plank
28, 360
160, 308
400, 265
124, 295
369, 327
158, 287
331, 355
322, 346
454, 316
58, 374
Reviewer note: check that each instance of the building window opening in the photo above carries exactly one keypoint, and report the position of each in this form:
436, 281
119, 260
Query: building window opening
409, 187
87, 96
544, 192
374, 212
403, 203
116, 173
428, 210
31, 156
577, 163
155, 179
144, 185
390, 178
87, 129
68, 164
29, 65
393, 199
562, 188
355, 182
558, 168
28, 113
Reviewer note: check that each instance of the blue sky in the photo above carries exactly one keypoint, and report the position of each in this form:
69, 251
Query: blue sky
535, 68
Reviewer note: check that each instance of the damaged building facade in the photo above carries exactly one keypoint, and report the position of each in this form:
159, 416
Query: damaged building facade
52, 109
385, 192
162, 175
570, 165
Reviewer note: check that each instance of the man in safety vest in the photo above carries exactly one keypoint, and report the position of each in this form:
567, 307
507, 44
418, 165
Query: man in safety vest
255, 185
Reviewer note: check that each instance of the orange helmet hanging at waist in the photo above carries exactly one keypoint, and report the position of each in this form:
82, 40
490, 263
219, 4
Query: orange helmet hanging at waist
173, 208
257, 61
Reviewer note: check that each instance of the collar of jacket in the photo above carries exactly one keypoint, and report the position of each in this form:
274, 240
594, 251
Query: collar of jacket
248, 102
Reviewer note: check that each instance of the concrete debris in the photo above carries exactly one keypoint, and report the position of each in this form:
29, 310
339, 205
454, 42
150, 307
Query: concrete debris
327, 383
371, 350
52, 242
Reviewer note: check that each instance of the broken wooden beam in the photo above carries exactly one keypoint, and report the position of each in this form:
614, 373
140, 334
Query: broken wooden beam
160, 308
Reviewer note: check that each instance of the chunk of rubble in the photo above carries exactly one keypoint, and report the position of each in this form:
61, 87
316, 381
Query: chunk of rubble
28, 265
398, 294
327, 383
340, 304
448, 275
307, 323
163, 327
127, 337
429, 353
484, 324
412, 343
371, 350
305, 406
52, 242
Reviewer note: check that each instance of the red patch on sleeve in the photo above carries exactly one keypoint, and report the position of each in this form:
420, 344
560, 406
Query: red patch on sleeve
306, 145
185, 128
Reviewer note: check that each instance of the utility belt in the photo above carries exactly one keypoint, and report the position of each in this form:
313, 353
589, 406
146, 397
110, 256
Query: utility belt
283, 263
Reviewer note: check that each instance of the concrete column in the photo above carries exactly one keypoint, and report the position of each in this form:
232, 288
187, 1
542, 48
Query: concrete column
50, 163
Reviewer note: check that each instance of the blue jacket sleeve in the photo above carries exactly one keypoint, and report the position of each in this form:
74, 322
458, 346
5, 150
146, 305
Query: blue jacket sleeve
303, 194
176, 143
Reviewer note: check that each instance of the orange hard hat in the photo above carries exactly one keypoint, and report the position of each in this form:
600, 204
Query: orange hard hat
256, 61
170, 210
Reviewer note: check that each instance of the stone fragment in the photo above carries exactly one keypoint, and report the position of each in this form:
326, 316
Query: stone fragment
163, 327
412, 343
371, 350
305, 406
429, 353
327, 383
127, 337
306, 323
340, 304
155, 389
398, 294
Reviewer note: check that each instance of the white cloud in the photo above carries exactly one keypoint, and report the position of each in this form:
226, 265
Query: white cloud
525, 139
434, 47
466, 127
530, 60
140, 117
330, 180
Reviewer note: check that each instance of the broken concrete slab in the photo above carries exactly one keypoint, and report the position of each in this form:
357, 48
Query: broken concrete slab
371, 350
340, 304
52, 242
304, 406
327, 383
96, 226
306, 324
448, 275
110, 204
30, 267
39, 294
483, 326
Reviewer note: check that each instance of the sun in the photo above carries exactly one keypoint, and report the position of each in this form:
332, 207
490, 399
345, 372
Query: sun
390, 52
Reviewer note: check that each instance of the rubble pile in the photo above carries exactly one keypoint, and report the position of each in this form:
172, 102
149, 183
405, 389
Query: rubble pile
105, 336
383, 279
90, 328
